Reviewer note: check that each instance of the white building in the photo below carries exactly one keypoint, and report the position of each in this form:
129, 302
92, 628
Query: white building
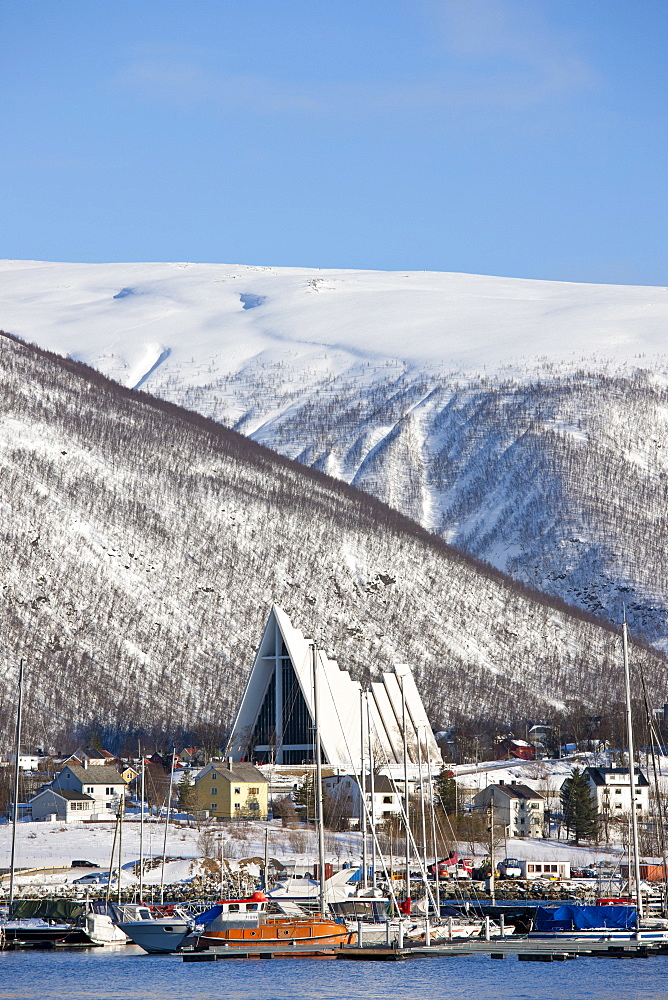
345, 788
545, 869
64, 806
103, 784
27, 761
517, 808
275, 719
610, 787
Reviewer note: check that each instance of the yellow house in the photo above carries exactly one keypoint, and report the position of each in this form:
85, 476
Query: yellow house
235, 791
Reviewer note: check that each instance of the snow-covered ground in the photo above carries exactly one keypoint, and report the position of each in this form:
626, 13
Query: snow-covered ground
53, 846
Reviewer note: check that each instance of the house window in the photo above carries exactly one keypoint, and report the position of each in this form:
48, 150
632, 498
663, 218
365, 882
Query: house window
214, 776
214, 791
387, 800
237, 805
109, 791
253, 805
618, 791
89, 790
237, 791
253, 791
214, 806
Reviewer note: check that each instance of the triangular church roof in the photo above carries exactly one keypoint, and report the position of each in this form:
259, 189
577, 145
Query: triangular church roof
284, 656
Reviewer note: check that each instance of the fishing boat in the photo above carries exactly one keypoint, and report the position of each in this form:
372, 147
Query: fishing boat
247, 924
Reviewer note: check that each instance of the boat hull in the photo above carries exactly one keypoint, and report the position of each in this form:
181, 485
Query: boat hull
157, 937
284, 934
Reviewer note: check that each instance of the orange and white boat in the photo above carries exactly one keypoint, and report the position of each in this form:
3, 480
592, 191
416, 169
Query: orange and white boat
246, 924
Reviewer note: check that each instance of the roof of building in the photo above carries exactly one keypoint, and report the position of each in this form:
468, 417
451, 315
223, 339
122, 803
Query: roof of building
517, 791
597, 775
381, 783
240, 772
67, 793
95, 774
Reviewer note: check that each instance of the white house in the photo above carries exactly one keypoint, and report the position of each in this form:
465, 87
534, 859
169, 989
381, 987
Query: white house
345, 788
65, 805
517, 808
27, 761
610, 787
103, 784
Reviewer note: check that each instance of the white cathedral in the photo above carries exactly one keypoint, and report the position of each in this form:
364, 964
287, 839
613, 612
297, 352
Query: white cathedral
275, 719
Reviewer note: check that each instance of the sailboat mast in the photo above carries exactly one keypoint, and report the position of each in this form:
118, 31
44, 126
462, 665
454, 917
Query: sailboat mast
121, 813
362, 788
15, 814
433, 835
318, 784
408, 826
629, 736
141, 830
372, 791
422, 808
164, 841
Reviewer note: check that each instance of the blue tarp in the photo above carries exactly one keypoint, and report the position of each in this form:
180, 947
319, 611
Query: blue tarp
570, 916
210, 914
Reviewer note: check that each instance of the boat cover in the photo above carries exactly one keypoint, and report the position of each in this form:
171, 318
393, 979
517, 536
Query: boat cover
47, 909
571, 916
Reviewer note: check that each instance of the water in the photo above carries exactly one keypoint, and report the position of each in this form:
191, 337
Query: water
129, 974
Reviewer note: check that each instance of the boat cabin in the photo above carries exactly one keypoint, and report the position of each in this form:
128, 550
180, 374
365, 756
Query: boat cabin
251, 912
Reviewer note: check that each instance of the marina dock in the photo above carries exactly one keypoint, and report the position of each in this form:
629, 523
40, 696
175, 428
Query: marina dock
526, 949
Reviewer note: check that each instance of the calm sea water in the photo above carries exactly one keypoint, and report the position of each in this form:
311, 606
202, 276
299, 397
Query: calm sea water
129, 974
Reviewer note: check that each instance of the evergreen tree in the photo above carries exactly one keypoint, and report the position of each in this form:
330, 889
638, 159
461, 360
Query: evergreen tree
446, 790
578, 807
186, 793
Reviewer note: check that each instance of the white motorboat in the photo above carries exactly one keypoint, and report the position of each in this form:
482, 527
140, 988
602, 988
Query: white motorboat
158, 929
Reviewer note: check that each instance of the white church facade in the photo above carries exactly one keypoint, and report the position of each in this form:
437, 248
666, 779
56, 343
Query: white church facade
275, 721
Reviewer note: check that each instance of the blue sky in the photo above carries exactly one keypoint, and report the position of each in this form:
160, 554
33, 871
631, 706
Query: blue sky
514, 137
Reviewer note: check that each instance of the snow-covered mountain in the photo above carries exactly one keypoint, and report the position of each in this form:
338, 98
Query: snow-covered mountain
523, 421
143, 546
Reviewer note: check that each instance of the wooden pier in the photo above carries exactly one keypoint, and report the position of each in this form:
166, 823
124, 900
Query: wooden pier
526, 949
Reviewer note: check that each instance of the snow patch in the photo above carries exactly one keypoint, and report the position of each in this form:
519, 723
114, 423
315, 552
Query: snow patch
149, 361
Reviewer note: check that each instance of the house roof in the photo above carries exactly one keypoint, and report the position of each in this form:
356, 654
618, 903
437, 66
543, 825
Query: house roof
66, 793
240, 772
381, 783
96, 774
517, 791
598, 775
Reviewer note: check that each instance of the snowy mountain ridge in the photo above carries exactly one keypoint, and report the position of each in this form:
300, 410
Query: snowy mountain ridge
144, 546
497, 412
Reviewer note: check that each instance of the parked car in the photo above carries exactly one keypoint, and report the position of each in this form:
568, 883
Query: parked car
92, 879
